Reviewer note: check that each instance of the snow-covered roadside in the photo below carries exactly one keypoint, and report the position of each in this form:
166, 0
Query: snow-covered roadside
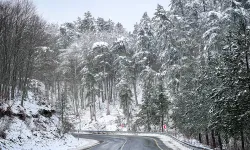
21, 137
66, 143
171, 143
193, 142
168, 141
86, 143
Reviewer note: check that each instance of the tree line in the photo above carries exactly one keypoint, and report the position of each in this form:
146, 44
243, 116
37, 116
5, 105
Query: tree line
22, 35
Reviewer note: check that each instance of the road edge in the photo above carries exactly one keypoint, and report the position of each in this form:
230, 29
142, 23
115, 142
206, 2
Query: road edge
85, 147
99, 142
157, 144
88, 147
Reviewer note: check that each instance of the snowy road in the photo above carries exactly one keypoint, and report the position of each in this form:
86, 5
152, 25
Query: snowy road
125, 142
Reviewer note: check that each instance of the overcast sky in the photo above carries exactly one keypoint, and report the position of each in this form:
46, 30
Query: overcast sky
125, 11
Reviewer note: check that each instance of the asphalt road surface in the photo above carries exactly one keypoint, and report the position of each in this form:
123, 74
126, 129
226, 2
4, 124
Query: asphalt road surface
116, 142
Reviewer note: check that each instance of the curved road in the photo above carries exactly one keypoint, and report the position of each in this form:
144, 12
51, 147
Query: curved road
116, 142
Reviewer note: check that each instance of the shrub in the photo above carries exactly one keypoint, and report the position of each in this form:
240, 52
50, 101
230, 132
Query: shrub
67, 126
2, 112
46, 113
3, 135
21, 115
9, 112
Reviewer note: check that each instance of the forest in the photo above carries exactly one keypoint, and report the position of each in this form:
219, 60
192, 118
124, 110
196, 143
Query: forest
191, 62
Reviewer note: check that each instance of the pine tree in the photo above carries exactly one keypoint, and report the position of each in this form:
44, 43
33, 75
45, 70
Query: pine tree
125, 95
148, 113
87, 24
162, 103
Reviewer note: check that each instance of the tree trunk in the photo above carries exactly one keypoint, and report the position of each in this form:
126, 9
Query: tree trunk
1, 91
94, 107
63, 104
128, 122
76, 89
162, 121
107, 97
102, 92
13, 86
58, 91
148, 123
242, 140
213, 139
111, 90
81, 97
76, 98
47, 91
227, 140
204, 6
24, 95
105, 85
134, 85
90, 111
235, 144
62, 113
99, 101
200, 138
219, 141
108, 111
207, 138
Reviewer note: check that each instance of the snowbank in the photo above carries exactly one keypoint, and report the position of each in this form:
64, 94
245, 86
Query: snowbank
65, 143
193, 142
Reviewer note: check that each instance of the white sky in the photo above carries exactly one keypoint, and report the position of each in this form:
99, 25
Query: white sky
128, 12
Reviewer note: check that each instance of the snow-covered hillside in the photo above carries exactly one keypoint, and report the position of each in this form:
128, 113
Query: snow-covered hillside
116, 121
33, 126
113, 122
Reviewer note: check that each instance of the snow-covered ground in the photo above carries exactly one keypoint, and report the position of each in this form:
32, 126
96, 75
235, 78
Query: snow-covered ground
68, 142
103, 122
34, 130
116, 121
193, 142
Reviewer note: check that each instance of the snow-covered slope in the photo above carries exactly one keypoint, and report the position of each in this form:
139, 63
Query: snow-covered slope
116, 121
103, 122
33, 126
